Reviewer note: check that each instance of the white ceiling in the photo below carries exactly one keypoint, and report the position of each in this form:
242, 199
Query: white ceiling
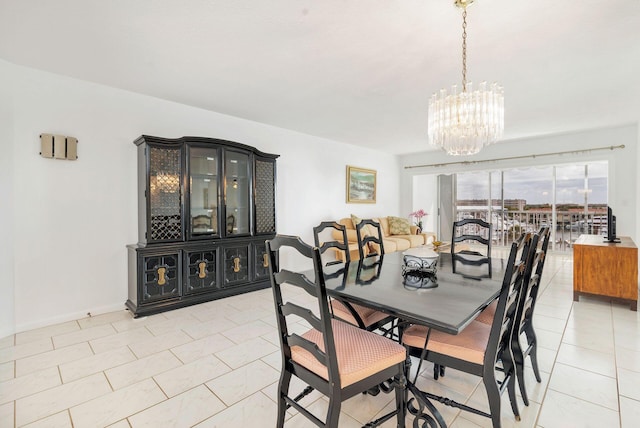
357, 71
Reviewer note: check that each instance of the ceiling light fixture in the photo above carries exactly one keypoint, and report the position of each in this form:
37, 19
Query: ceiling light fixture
462, 123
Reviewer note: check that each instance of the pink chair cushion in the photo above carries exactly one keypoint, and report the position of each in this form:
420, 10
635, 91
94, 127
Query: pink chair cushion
367, 315
360, 353
487, 314
469, 345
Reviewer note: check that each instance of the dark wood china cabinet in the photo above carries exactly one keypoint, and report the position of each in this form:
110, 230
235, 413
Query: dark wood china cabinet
205, 208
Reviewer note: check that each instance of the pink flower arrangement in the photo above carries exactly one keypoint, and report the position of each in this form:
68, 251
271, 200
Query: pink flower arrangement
418, 216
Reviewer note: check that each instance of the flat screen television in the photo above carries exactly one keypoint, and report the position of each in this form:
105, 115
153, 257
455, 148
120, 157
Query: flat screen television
611, 226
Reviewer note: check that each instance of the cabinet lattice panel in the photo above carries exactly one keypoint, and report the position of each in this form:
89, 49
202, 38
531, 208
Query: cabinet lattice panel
164, 189
265, 197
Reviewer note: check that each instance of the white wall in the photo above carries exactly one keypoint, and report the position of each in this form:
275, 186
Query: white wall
425, 196
74, 218
67, 222
7, 318
624, 196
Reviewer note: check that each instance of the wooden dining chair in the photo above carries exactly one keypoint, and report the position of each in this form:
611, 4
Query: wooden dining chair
369, 235
478, 232
525, 313
474, 230
480, 347
333, 357
460, 262
339, 240
359, 315
526, 306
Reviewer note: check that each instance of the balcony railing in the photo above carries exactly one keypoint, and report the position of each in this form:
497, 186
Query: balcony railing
566, 227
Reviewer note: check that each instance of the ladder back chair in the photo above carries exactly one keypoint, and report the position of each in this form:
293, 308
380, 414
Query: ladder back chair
475, 230
339, 242
359, 315
525, 313
480, 347
333, 357
369, 235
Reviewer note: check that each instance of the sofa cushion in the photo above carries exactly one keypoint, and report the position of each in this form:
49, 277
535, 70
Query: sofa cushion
355, 220
400, 244
367, 230
414, 240
351, 235
390, 245
384, 225
399, 226
346, 222
391, 242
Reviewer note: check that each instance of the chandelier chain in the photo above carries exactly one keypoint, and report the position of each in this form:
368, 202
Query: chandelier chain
464, 50
461, 122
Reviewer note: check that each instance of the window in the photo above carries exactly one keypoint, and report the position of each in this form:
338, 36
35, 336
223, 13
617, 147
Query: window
571, 199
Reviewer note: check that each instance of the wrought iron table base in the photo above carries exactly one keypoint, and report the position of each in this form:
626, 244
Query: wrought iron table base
434, 419
386, 387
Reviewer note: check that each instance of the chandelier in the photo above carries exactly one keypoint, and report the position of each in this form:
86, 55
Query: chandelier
461, 123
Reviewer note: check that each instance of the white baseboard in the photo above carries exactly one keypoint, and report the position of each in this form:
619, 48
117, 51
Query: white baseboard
65, 318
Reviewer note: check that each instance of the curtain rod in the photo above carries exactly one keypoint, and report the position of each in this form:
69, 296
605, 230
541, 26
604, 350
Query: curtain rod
437, 165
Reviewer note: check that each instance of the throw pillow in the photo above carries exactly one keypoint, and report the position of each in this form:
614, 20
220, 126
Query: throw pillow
365, 230
399, 226
355, 219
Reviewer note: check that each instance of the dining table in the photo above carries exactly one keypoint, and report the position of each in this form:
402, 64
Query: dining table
445, 293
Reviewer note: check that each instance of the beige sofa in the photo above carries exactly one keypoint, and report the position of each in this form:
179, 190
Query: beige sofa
391, 242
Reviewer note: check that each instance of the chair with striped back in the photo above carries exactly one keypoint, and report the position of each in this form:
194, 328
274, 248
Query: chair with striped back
333, 357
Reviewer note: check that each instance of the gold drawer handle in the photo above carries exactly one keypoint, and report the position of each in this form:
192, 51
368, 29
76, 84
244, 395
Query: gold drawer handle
162, 280
236, 264
202, 272
265, 260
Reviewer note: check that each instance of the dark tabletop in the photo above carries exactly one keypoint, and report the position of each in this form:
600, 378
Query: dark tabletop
447, 302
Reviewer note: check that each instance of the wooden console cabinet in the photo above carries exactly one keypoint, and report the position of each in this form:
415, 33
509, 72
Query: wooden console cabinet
205, 208
606, 269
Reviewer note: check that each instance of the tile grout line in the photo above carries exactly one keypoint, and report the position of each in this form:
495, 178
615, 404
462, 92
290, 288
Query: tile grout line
546, 389
615, 363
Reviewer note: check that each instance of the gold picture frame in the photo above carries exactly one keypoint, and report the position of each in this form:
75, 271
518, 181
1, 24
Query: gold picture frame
361, 185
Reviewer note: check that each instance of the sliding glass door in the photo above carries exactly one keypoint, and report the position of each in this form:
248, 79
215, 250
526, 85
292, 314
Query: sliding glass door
571, 199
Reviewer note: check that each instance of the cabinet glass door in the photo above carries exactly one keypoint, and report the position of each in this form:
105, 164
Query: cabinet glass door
237, 187
203, 164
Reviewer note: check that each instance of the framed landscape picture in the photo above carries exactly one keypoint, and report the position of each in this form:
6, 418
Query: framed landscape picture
361, 185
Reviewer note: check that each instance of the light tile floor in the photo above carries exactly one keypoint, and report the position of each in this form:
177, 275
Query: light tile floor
217, 365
